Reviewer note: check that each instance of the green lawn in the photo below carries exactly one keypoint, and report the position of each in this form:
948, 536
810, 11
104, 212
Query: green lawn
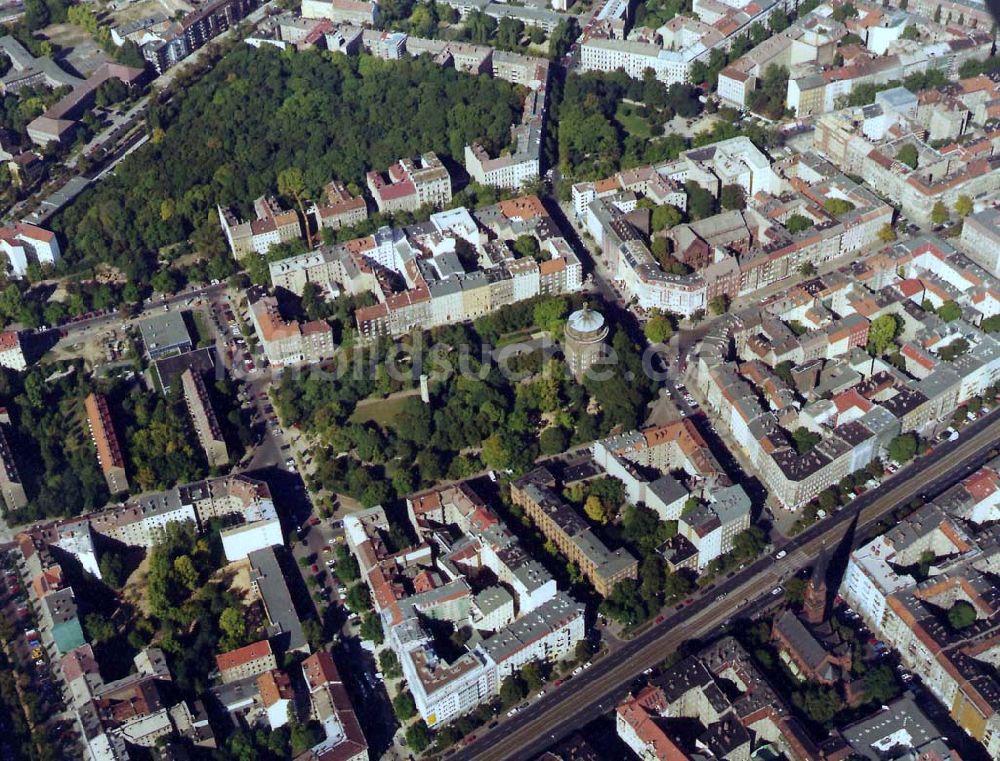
205, 337
516, 337
628, 116
382, 411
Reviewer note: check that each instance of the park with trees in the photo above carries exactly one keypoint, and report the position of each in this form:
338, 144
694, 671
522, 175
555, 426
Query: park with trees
609, 121
472, 423
258, 113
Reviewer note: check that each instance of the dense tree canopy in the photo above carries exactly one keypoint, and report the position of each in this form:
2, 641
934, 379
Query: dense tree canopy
903, 447
883, 332
55, 457
259, 112
961, 615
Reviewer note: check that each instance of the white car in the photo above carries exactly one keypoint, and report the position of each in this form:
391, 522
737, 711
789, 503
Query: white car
780, 555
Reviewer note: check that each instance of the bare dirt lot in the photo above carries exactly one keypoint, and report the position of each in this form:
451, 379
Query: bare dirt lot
79, 51
124, 12
96, 346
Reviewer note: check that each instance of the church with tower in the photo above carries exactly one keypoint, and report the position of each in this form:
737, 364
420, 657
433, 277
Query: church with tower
809, 645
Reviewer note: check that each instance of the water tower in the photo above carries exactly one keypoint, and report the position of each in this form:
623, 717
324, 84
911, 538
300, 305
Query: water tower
583, 343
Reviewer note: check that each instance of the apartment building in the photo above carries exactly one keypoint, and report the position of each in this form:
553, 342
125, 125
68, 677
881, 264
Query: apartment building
337, 269
535, 494
59, 615
900, 724
545, 635
288, 342
272, 226
669, 51
331, 707
340, 208
421, 282
11, 485
251, 660
268, 583
25, 244
493, 546
206, 425
140, 521
817, 87
507, 171
12, 351
102, 433
195, 30
854, 405
756, 250
135, 711
901, 610
524, 162
729, 722
260, 528
868, 146
981, 239
711, 527
545, 627
276, 697
721, 510
410, 184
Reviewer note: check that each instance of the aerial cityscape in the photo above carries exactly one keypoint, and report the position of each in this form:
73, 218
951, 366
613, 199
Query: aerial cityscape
549, 380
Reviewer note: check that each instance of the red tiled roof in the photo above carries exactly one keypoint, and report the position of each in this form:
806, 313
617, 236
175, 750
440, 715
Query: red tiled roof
9, 340
526, 207
243, 655
910, 287
319, 669
35, 233
273, 686
981, 484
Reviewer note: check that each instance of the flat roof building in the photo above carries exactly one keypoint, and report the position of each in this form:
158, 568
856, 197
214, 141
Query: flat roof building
165, 334
268, 582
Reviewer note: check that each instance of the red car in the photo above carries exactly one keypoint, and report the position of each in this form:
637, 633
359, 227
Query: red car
659, 619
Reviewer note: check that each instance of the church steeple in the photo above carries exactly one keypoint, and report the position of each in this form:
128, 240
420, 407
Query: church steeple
815, 597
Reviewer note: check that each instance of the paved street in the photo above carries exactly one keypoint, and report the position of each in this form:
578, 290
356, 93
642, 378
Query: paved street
600, 688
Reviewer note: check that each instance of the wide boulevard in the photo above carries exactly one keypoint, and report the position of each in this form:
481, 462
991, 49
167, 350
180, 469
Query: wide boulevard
598, 689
